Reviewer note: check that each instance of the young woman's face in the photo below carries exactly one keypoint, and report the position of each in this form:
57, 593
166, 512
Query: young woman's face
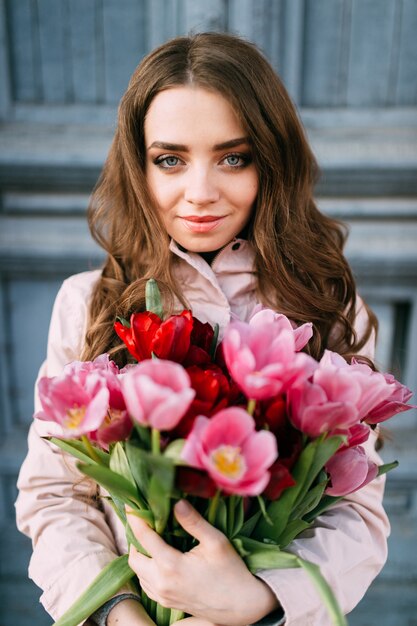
199, 167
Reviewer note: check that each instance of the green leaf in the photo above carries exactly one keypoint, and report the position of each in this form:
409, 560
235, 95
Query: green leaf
239, 517
323, 505
114, 483
308, 466
221, 516
325, 591
119, 463
160, 501
323, 450
263, 510
163, 615
176, 615
279, 510
383, 469
310, 501
114, 576
213, 346
123, 321
258, 555
139, 466
154, 475
292, 530
77, 449
173, 451
249, 526
153, 298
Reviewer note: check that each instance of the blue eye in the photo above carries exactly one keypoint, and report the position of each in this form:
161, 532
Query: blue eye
234, 159
167, 162
237, 160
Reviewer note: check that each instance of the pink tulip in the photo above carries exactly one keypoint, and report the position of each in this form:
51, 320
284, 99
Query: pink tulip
393, 404
302, 334
357, 434
261, 356
87, 400
324, 406
374, 387
102, 364
233, 453
349, 470
157, 393
338, 396
117, 425
79, 407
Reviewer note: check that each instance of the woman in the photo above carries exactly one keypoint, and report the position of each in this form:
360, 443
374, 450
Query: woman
208, 189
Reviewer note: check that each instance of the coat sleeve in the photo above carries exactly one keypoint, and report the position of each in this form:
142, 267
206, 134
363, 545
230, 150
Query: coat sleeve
348, 542
71, 539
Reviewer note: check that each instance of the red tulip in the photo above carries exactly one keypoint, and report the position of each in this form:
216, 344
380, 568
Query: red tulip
280, 479
195, 483
148, 335
212, 394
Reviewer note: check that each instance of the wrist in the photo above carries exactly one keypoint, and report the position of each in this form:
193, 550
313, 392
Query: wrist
128, 611
260, 601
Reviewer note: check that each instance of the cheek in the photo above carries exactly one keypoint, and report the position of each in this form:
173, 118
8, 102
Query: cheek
163, 191
246, 193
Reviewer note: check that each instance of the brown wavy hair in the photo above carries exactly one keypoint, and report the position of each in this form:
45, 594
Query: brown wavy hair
299, 262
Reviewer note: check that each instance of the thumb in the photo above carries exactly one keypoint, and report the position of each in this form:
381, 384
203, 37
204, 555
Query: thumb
195, 524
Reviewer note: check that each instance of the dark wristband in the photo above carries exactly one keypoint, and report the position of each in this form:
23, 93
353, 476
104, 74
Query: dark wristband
99, 617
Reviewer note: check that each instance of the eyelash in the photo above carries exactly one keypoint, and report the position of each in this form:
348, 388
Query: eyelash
245, 159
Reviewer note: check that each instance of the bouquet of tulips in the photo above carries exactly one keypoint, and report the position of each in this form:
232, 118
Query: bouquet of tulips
256, 434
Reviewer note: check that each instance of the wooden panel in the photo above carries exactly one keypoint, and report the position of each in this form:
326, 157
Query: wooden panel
407, 69
200, 15
5, 374
5, 77
261, 22
386, 316
325, 52
290, 61
54, 50
373, 28
124, 26
30, 305
83, 21
163, 21
24, 53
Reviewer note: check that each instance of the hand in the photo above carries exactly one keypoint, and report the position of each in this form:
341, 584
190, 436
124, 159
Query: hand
210, 581
129, 612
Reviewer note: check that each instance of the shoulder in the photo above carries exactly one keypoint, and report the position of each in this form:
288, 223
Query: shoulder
80, 285
69, 320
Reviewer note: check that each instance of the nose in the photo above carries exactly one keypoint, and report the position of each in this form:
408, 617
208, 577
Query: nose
201, 187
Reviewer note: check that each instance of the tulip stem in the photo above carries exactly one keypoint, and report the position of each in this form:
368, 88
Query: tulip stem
231, 515
251, 406
213, 508
156, 442
90, 449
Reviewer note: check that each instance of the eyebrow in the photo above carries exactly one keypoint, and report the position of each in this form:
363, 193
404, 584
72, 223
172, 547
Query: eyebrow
179, 147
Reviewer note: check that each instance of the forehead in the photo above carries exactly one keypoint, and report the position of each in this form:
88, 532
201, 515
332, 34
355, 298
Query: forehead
188, 114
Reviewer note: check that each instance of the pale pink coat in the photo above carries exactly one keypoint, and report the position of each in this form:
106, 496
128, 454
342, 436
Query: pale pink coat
72, 541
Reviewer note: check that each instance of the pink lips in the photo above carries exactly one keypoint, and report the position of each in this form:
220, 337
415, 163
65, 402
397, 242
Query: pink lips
202, 224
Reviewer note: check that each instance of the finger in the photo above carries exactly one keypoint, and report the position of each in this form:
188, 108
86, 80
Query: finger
137, 561
154, 545
195, 524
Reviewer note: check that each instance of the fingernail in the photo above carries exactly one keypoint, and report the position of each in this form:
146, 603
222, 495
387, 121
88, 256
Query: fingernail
183, 507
